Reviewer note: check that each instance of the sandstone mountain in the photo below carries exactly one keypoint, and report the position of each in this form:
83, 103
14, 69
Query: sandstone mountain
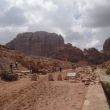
52, 45
37, 43
106, 46
45, 44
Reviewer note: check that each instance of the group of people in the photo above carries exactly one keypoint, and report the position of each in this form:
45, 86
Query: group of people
54, 69
31, 68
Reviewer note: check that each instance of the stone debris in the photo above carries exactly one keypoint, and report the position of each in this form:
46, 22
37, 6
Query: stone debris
86, 75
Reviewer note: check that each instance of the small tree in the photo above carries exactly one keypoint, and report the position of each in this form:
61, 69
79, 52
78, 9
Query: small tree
8, 76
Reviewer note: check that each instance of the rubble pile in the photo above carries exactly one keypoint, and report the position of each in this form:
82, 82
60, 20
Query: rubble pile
23, 73
87, 76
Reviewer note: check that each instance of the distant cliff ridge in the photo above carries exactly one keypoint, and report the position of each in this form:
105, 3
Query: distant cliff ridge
37, 43
52, 45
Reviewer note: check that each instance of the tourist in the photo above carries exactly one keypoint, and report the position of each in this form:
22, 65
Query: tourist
16, 65
32, 70
11, 67
60, 69
72, 66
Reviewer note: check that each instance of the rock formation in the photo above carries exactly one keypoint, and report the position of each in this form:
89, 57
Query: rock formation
39, 43
94, 56
52, 45
70, 53
106, 46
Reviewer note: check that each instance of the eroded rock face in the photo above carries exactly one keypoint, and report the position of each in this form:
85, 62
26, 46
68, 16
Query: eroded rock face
94, 56
39, 43
52, 45
106, 46
70, 53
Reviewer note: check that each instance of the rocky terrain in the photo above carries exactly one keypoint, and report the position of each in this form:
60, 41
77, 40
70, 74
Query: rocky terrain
43, 94
69, 53
52, 45
94, 56
8, 56
39, 92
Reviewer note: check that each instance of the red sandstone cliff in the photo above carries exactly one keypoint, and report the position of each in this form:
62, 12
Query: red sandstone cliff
52, 45
106, 46
39, 43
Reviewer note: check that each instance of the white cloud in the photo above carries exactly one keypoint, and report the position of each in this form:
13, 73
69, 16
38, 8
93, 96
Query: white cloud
98, 16
13, 16
92, 43
8, 33
84, 23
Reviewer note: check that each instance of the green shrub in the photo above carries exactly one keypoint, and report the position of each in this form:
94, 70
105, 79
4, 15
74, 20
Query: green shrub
108, 71
8, 76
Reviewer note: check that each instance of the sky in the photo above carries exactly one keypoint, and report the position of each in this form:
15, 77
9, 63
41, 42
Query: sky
84, 23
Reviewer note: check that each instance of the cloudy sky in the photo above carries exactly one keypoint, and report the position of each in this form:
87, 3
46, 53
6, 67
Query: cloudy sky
84, 23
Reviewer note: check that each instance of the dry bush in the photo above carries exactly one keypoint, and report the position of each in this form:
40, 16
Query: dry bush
9, 76
50, 77
59, 77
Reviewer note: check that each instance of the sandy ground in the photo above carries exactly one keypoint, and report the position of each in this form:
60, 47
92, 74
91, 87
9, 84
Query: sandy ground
25, 94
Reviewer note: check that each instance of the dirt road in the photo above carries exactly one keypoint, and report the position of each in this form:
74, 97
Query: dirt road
25, 94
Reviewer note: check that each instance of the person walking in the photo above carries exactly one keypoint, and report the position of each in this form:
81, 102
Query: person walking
60, 69
11, 67
16, 65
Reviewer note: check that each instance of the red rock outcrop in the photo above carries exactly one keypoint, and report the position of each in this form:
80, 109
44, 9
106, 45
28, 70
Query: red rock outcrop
39, 43
106, 46
94, 56
46, 44
52, 45
68, 52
